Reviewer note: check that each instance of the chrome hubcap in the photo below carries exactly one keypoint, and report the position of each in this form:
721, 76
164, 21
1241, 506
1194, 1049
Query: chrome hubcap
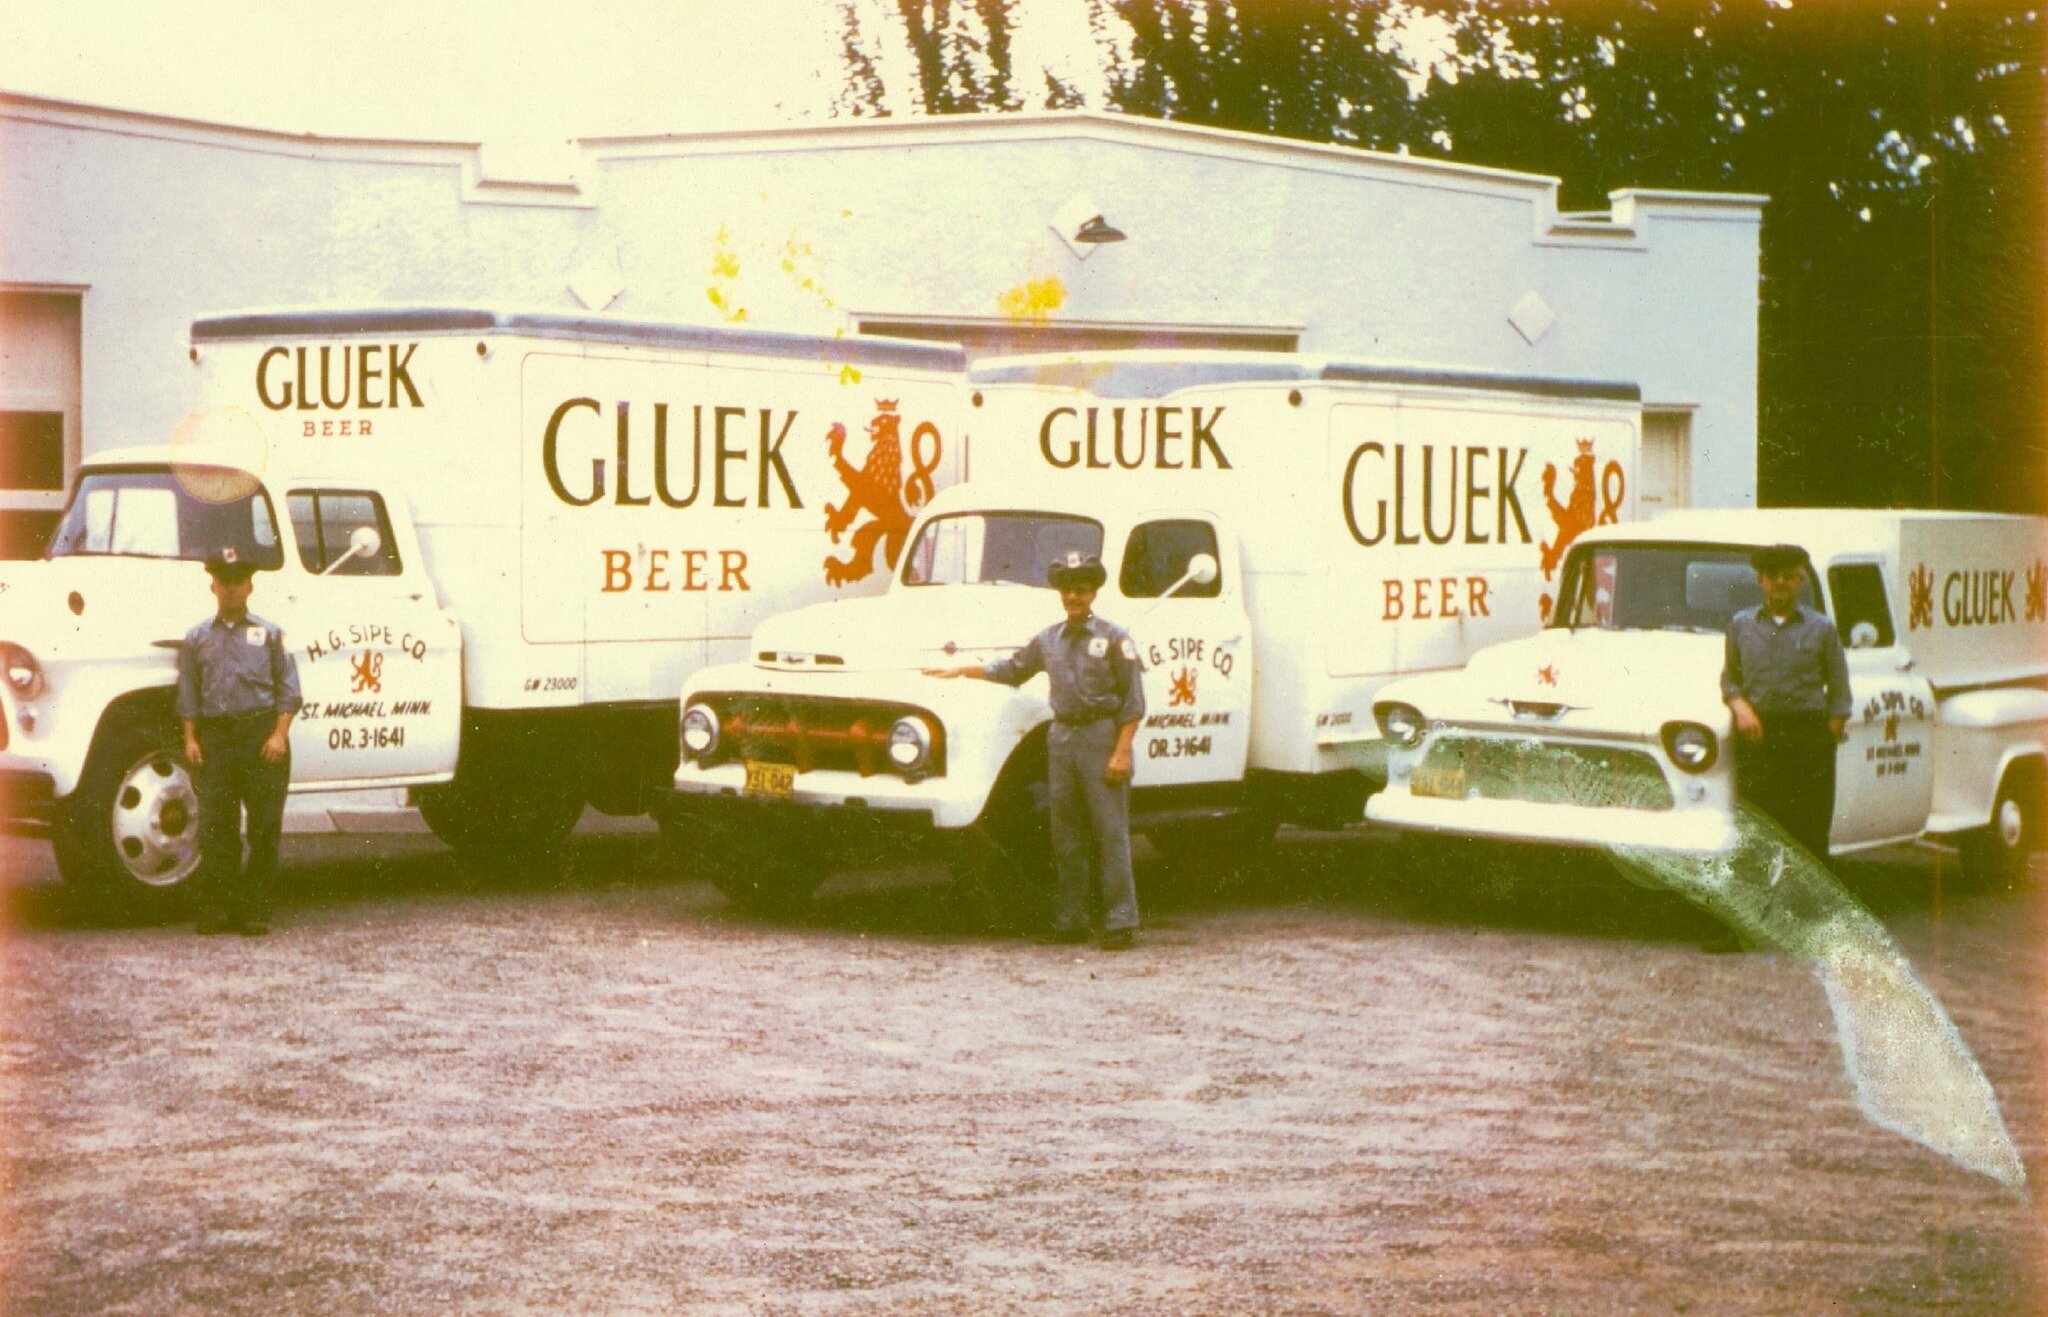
156, 821
2012, 823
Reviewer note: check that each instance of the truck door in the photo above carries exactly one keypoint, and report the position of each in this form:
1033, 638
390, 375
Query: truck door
380, 665
1884, 771
1196, 649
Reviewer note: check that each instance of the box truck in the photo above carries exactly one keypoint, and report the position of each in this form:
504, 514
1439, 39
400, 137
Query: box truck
497, 543
1282, 534
1943, 618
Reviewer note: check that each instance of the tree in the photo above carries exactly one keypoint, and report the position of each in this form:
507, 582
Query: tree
1900, 142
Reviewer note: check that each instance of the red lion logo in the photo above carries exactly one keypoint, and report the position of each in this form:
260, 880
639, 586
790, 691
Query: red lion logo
1577, 516
878, 488
1181, 689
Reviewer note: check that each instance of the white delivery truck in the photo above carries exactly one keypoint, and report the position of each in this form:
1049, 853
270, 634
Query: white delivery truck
1283, 534
1944, 622
497, 543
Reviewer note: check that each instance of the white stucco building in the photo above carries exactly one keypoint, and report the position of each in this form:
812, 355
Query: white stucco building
117, 228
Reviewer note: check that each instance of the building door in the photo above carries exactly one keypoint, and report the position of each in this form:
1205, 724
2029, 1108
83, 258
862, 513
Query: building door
39, 415
1666, 480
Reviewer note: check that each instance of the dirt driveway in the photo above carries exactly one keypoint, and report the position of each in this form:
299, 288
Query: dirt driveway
1333, 1090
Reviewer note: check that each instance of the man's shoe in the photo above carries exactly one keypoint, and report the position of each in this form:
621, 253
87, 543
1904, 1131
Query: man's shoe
1117, 939
212, 925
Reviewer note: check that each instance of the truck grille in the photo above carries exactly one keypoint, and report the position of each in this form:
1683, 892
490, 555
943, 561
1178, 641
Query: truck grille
817, 733
1541, 772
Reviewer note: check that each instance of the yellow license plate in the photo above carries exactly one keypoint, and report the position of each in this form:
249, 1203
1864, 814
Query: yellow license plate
775, 780
1439, 783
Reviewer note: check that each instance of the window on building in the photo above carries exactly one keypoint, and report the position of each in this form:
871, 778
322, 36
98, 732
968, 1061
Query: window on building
32, 450
1858, 592
324, 521
1157, 555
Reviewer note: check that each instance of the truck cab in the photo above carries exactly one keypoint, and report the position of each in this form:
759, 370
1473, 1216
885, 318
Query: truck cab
834, 721
1608, 727
90, 744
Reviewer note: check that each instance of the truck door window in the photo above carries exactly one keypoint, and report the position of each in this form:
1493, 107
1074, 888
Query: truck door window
154, 513
1157, 553
996, 547
1858, 592
324, 520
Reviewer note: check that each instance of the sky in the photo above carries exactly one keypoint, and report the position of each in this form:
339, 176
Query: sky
443, 69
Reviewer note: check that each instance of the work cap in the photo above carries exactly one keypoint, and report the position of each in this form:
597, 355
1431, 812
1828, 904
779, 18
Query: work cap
229, 564
1076, 570
1777, 558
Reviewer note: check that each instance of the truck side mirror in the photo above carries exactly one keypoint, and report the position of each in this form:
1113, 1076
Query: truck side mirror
1201, 570
363, 542
1863, 635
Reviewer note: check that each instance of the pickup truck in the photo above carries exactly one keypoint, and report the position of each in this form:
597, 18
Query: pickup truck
1944, 623
1282, 534
497, 543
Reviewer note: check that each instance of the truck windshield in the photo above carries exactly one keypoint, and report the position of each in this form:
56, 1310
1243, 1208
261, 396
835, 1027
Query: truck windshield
157, 513
996, 548
1660, 587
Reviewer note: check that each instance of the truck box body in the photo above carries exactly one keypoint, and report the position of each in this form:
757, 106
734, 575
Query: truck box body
583, 571
1391, 519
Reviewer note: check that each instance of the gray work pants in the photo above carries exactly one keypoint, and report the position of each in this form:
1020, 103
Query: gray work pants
233, 774
1091, 827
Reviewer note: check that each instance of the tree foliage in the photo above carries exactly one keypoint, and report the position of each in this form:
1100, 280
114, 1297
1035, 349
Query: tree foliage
1899, 141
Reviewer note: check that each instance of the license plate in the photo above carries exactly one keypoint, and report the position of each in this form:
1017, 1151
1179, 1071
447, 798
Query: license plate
774, 780
1446, 783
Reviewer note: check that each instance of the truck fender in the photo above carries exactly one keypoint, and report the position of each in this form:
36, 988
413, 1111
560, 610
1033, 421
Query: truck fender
1023, 770
89, 702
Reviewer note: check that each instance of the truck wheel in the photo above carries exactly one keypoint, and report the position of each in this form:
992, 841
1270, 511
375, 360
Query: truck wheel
1003, 863
767, 877
129, 835
1213, 851
501, 822
1995, 858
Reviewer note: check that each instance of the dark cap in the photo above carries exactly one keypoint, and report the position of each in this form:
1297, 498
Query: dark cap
1077, 570
230, 565
1777, 558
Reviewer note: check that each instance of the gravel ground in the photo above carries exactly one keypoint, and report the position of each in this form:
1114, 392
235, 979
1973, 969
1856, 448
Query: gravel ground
1338, 1087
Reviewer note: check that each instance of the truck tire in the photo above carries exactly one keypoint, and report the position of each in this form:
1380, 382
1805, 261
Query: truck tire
1003, 864
1995, 858
128, 837
1211, 852
767, 876
501, 819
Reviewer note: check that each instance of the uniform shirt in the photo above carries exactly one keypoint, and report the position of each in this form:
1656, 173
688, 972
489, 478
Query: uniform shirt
1794, 666
240, 666
1092, 665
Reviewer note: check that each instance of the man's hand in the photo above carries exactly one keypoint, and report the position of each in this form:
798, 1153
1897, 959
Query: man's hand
192, 755
948, 673
1747, 725
1840, 727
1118, 770
275, 747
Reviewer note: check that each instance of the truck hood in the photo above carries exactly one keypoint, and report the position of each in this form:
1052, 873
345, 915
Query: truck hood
909, 627
1596, 681
125, 605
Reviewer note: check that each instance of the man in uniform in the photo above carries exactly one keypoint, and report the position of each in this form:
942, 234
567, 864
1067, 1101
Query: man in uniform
238, 690
1098, 699
1786, 683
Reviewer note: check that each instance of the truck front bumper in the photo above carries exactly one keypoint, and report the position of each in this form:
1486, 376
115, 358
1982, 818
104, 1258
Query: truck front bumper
768, 816
942, 802
1698, 831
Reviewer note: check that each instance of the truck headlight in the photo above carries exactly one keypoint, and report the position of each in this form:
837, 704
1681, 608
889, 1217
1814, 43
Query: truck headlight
700, 731
910, 744
1691, 746
1403, 724
23, 674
